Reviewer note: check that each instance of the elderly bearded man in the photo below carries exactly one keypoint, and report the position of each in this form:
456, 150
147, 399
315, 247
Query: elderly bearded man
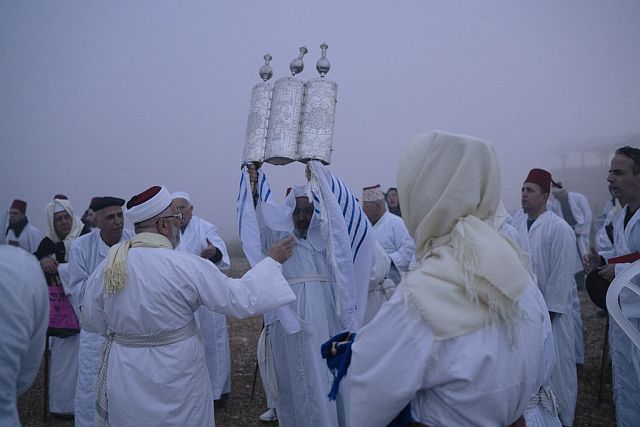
551, 245
201, 238
624, 184
18, 231
143, 298
461, 338
87, 252
53, 253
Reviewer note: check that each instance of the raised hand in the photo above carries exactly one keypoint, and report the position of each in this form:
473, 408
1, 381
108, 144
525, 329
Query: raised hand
282, 250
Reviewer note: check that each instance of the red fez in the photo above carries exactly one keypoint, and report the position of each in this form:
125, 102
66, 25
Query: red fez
146, 195
20, 205
60, 197
540, 177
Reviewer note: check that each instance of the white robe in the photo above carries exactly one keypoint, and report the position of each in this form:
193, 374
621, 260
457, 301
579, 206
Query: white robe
212, 325
476, 379
380, 287
24, 317
625, 357
581, 213
168, 385
29, 238
602, 241
394, 238
87, 252
551, 245
302, 375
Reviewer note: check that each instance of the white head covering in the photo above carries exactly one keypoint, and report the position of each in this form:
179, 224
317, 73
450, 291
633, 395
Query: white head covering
59, 205
467, 275
372, 194
181, 195
149, 207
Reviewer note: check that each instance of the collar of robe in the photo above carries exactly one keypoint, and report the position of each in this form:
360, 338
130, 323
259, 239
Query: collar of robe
17, 228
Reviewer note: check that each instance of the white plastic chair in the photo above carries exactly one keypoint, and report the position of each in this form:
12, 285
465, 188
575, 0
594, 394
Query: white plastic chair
629, 278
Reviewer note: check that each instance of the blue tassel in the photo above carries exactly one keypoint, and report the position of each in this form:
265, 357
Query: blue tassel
337, 353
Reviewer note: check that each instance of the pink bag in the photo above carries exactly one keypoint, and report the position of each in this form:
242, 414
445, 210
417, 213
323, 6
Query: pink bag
63, 322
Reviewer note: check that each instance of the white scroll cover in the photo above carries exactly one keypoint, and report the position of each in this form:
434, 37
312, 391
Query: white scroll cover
257, 123
318, 116
284, 123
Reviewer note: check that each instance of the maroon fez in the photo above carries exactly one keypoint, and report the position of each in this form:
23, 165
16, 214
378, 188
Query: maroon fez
147, 194
540, 177
20, 205
60, 197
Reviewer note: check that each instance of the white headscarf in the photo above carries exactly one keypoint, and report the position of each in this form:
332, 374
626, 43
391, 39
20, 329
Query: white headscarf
57, 205
466, 275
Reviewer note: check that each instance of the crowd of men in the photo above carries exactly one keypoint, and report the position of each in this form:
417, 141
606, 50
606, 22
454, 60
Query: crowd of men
455, 312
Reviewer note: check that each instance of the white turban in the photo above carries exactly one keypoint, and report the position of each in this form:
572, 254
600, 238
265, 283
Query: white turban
146, 205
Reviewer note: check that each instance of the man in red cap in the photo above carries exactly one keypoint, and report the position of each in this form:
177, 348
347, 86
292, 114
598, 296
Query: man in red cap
551, 245
143, 298
18, 231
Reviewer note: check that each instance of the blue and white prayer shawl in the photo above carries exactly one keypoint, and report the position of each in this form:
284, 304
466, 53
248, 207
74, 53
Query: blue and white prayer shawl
352, 243
342, 223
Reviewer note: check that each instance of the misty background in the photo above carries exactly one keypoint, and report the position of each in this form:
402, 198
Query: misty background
109, 98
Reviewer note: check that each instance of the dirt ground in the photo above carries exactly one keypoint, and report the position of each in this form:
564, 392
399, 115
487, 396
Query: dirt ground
242, 409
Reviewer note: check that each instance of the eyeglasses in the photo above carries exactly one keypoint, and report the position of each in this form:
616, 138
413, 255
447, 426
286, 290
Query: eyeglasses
178, 215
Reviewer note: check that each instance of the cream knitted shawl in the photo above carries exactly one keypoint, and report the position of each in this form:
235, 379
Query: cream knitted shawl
467, 275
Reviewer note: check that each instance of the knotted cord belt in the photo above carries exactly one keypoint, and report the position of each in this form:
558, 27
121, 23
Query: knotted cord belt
135, 341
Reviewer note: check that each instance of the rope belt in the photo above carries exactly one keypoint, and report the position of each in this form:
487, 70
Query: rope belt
135, 341
546, 398
303, 279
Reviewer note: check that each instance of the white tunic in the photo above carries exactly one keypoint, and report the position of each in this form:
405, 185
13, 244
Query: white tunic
24, 317
29, 238
87, 252
392, 234
551, 245
581, 213
380, 287
477, 379
625, 357
302, 375
168, 385
212, 325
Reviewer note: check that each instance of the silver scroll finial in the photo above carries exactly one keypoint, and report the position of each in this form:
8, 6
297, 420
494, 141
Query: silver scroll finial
323, 64
296, 66
266, 72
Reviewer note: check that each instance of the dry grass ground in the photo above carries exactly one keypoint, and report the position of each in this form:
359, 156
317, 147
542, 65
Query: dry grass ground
242, 410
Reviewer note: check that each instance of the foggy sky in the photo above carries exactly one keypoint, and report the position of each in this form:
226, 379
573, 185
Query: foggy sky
108, 98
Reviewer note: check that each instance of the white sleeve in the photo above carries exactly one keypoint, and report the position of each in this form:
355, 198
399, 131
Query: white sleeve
405, 247
388, 363
92, 312
261, 289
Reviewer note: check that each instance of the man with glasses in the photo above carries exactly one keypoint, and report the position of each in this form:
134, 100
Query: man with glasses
143, 298
201, 238
53, 253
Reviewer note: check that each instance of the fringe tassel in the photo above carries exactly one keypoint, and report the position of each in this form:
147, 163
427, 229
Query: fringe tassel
114, 277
